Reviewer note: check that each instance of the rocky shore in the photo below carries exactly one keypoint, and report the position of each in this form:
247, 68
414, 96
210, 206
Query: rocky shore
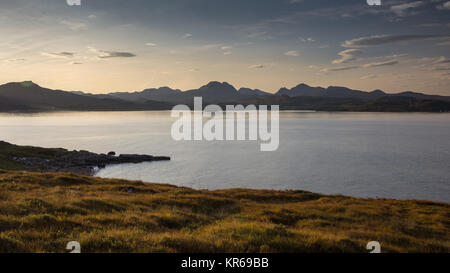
83, 162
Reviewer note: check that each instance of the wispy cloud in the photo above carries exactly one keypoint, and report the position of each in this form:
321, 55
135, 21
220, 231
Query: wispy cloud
74, 25
347, 55
402, 9
309, 39
368, 65
446, 43
343, 68
64, 55
442, 60
444, 6
256, 66
16, 60
115, 54
377, 64
387, 39
292, 53
151, 44
367, 77
105, 54
187, 35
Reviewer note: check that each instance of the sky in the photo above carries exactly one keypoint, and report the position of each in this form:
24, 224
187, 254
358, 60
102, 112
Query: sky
129, 45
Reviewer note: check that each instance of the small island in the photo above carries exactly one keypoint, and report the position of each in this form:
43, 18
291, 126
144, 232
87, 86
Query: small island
43, 208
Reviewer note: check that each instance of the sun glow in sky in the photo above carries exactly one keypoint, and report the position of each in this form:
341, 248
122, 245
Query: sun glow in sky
117, 45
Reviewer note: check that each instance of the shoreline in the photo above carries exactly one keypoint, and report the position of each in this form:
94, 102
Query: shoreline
62, 160
42, 211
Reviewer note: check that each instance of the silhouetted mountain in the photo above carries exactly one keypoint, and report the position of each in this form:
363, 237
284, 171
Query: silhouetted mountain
28, 96
165, 94
253, 92
304, 90
213, 92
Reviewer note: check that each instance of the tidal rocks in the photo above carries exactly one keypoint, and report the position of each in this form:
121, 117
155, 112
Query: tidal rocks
83, 162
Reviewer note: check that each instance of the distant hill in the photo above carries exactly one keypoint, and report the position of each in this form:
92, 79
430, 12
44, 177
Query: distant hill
165, 94
27, 96
304, 90
253, 92
213, 92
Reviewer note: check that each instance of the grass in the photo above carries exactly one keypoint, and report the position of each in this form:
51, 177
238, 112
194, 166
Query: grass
9, 151
42, 212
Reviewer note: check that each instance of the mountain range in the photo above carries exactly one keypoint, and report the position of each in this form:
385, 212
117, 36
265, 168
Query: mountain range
28, 96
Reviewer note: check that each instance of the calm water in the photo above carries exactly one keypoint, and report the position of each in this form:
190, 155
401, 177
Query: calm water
405, 156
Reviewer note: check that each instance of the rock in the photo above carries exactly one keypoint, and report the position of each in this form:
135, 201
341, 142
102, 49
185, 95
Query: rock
134, 158
84, 162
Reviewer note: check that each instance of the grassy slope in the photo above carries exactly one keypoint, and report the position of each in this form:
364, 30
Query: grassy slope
9, 151
42, 212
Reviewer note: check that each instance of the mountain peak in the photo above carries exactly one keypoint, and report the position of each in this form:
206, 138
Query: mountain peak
27, 84
378, 92
302, 85
220, 86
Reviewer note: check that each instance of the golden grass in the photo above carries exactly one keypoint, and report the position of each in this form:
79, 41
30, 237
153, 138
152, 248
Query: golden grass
41, 212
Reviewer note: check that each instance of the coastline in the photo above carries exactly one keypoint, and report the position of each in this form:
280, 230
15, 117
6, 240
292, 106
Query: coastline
42, 210
61, 160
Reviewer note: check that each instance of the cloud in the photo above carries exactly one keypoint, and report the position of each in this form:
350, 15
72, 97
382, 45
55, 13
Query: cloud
368, 77
430, 25
226, 47
262, 35
330, 69
15, 60
115, 54
105, 54
187, 35
347, 55
387, 39
293, 53
446, 43
309, 39
444, 6
374, 64
442, 60
208, 46
75, 63
73, 25
377, 64
64, 55
227, 53
151, 44
401, 10
295, 1
256, 66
